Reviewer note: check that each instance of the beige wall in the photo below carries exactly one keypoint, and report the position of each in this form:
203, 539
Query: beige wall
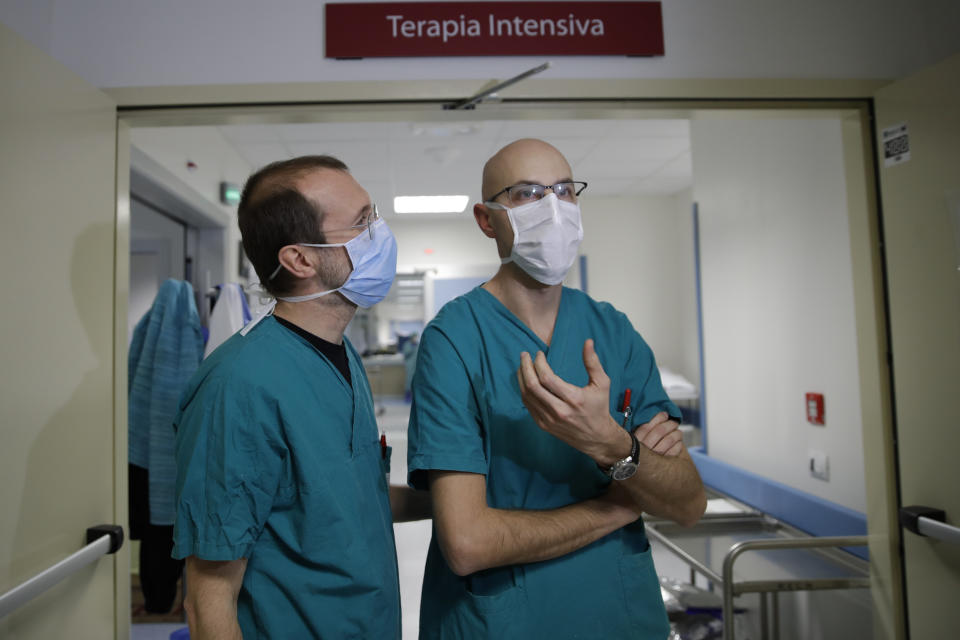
57, 460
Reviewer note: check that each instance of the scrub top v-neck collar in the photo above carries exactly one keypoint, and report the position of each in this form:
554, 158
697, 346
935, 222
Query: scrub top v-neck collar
335, 353
357, 389
559, 326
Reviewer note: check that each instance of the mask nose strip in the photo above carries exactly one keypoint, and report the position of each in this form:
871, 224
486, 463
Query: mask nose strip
554, 207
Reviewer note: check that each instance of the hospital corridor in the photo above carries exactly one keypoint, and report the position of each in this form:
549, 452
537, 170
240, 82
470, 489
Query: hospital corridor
309, 305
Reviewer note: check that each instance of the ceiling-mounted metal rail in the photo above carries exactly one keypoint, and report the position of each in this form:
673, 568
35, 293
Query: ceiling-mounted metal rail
471, 102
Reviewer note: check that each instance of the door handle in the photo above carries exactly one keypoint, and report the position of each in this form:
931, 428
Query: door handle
929, 522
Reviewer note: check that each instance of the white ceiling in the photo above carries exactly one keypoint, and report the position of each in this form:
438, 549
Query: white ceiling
616, 157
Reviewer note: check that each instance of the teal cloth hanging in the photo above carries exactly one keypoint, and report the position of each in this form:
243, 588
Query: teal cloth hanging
166, 350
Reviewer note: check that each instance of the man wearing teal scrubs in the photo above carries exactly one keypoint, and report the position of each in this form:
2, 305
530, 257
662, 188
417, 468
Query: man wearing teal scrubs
283, 509
537, 474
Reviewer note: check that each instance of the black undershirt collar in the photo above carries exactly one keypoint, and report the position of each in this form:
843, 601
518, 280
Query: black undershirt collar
335, 353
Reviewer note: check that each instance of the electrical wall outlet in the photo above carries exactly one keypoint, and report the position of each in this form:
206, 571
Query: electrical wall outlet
819, 464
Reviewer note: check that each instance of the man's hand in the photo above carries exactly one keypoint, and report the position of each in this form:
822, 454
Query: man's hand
580, 416
666, 483
661, 435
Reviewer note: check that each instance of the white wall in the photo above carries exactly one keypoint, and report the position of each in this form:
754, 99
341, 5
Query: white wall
117, 43
640, 258
778, 299
215, 160
456, 247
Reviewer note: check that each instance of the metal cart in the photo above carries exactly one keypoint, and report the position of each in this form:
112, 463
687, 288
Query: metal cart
745, 551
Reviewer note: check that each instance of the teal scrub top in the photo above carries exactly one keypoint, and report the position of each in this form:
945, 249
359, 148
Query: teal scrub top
467, 415
279, 462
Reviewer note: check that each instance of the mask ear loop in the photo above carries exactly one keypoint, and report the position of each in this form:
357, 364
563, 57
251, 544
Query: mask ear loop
516, 235
265, 298
513, 227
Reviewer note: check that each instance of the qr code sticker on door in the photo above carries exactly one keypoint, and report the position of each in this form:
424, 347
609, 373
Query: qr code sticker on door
896, 145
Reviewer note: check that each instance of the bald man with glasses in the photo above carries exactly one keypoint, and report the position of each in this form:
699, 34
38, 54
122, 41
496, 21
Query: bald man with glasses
542, 431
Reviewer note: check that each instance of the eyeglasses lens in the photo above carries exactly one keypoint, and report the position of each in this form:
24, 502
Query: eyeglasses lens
524, 193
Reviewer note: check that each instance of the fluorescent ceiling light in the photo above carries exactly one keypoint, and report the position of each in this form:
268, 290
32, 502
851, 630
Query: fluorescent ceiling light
430, 204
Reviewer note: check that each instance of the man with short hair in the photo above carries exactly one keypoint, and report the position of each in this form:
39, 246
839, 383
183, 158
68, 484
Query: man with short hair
283, 509
540, 426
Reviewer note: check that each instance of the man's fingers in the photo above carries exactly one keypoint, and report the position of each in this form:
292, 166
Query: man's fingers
661, 417
532, 389
675, 450
530, 401
551, 381
667, 442
653, 439
525, 372
660, 434
644, 429
592, 363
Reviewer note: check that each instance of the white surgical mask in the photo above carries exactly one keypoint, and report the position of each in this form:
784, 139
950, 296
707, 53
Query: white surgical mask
546, 236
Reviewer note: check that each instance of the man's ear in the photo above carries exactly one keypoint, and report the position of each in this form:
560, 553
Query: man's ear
481, 213
295, 260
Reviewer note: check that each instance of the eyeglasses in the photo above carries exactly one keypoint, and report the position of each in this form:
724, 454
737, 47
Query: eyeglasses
520, 194
368, 222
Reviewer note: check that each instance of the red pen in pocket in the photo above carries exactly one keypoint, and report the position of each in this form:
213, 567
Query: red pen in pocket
626, 408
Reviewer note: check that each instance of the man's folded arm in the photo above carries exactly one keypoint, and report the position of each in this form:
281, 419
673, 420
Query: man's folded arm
474, 536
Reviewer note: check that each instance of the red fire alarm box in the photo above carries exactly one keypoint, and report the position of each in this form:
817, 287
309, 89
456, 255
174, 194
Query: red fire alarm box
815, 413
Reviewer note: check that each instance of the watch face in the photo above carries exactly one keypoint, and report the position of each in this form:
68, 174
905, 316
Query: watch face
623, 470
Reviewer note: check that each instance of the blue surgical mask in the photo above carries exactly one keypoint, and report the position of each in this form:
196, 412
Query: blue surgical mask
374, 259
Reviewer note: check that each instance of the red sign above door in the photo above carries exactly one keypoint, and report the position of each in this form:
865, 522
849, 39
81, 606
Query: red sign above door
444, 29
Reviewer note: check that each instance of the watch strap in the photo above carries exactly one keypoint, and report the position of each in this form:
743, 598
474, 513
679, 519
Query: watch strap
633, 457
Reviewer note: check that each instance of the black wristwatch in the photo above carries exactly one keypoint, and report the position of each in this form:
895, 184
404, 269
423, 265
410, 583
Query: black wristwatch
624, 469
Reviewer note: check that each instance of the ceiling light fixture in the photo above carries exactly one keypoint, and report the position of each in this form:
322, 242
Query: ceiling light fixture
430, 204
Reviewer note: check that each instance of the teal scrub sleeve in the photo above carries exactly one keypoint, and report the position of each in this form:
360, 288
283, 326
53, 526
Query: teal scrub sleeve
230, 461
643, 376
444, 430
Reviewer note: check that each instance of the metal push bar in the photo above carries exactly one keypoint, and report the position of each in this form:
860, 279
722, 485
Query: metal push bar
101, 540
930, 522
